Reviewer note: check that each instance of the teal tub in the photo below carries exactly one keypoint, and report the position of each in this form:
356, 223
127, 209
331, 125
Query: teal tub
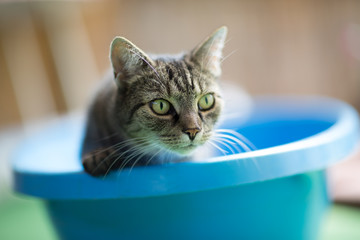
275, 192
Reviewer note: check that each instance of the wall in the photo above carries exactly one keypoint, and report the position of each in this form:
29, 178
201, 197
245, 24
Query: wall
52, 54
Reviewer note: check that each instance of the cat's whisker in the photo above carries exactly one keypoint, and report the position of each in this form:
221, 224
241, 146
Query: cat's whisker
238, 142
120, 155
149, 160
227, 41
232, 143
141, 155
231, 53
142, 149
169, 156
127, 159
217, 147
116, 145
166, 156
142, 58
243, 140
163, 84
157, 74
134, 151
131, 142
116, 148
147, 149
239, 136
114, 161
136, 161
228, 146
108, 137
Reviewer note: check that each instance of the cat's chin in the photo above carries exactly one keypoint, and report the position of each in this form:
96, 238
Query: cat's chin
193, 153
187, 149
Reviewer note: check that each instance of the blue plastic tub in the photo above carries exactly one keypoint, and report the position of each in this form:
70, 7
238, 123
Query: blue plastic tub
275, 192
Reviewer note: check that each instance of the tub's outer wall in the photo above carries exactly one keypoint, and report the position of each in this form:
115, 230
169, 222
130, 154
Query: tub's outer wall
284, 208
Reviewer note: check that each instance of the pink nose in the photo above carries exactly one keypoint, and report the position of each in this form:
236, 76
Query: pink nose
191, 132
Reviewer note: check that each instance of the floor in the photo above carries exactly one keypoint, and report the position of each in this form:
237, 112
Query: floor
24, 218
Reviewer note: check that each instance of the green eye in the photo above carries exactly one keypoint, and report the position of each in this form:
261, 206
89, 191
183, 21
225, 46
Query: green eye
160, 106
206, 102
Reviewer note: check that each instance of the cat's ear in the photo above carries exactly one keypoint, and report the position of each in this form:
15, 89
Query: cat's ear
208, 54
127, 59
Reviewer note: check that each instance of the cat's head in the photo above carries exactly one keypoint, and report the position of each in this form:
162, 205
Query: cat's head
171, 102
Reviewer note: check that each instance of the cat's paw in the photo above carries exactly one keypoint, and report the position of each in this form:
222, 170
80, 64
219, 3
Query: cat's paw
97, 163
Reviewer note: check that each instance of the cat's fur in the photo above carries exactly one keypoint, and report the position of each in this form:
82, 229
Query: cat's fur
122, 129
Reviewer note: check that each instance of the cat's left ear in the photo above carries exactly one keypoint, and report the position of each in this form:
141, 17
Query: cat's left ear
127, 59
208, 54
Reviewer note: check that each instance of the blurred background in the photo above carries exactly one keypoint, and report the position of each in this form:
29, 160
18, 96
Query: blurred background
52, 53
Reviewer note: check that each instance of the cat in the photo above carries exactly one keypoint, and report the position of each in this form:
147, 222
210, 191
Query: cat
152, 109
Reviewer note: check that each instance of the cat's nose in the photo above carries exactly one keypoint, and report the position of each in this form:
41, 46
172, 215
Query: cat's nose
191, 132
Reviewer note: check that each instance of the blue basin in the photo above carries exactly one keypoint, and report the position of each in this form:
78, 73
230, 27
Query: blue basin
275, 192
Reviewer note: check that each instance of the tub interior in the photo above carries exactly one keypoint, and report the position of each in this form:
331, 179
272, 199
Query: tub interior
276, 133
273, 133
62, 141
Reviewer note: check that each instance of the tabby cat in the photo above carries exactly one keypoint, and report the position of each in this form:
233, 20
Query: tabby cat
153, 108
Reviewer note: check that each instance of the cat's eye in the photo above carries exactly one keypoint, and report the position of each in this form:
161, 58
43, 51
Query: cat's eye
160, 106
206, 102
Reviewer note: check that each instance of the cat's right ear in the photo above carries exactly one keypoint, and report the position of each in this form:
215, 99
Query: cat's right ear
127, 59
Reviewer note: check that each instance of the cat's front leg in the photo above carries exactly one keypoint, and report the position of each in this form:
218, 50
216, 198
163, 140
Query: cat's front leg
99, 162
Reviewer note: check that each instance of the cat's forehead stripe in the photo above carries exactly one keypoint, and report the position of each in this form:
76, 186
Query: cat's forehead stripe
180, 79
191, 76
188, 74
176, 76
185, 75
180, 76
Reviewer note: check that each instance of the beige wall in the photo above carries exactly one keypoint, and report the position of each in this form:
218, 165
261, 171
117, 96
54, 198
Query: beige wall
52, 54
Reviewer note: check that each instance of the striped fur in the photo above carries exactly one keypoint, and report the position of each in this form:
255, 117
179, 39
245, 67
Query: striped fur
123, 131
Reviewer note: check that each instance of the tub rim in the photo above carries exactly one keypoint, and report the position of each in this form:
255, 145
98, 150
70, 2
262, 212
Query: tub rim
312, 153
